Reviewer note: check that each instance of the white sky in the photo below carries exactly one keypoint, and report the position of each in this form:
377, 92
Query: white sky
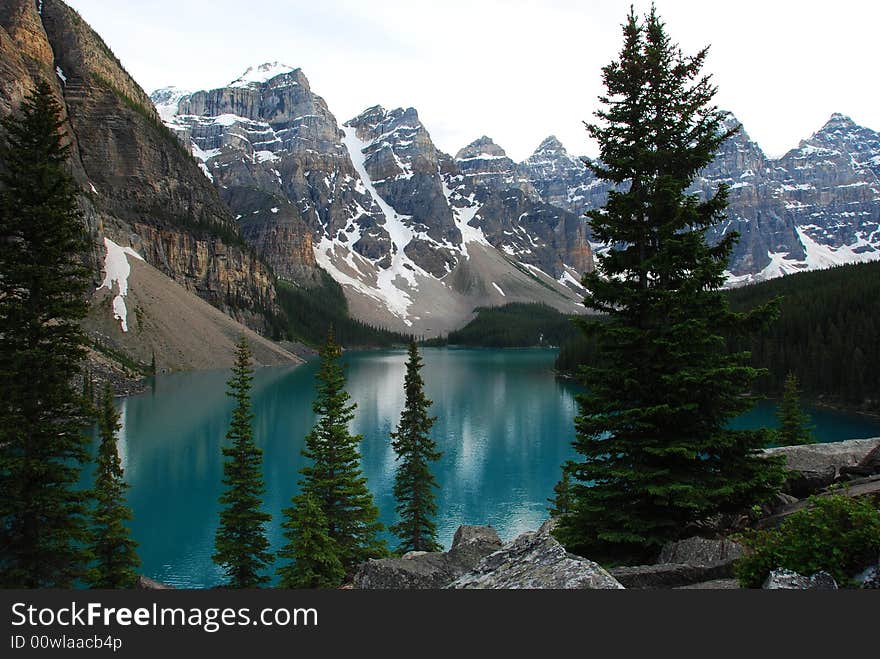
515, 70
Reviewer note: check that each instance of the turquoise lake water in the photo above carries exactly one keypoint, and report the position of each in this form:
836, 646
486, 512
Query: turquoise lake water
505, 424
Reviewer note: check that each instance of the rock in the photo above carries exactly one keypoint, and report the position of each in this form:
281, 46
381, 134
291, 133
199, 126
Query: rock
802, 484
549, 526
536, 561
868, 466
822, 581
782, 579
145, 583
471, 544
817, 465
670, 575
781, 500
869, 578
786, 580
715, 584
413, 554
428, 570
431, 570
701, 551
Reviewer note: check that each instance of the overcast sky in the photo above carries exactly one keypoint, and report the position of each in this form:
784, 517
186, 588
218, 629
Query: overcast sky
515, 70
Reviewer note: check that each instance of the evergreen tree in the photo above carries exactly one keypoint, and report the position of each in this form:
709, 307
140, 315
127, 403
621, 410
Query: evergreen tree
652, 429
794, 423
240, 543
561, 502
43, 527
111, 544
313, 557
88, 394
414, 483
334, 476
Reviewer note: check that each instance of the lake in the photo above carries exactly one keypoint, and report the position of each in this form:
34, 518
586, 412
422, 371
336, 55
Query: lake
504, 424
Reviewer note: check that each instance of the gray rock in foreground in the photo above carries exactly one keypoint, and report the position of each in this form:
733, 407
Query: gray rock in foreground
683, 564
429, 570
869, 578
536, 561
817, 465
715, 584
783, 579
701, 551
670, 575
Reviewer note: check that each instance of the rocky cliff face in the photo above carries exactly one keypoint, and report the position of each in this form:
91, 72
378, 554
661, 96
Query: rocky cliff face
374, 203
138, 185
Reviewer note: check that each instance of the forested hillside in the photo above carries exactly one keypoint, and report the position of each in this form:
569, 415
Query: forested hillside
310, 312
516, 325
827, 334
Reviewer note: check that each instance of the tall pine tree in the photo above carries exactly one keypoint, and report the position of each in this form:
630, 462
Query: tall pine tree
794, 423
333, 476
240, 542
652, 429
43, 528
111, 545
312, 557
414, 484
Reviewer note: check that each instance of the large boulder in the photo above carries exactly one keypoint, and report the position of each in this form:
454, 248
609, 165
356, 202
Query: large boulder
684, 563
701, 551
670, 575
815, 466
869, 578
714, 584
429, 570
783, 579
471, 544
536, 561
868, 466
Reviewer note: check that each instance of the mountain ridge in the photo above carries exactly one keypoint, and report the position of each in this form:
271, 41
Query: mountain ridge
391, 217
793, 213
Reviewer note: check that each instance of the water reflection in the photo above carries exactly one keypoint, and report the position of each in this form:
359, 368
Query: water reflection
504, 424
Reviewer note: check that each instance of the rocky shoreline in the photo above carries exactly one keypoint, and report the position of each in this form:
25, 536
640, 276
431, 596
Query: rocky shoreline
535, 560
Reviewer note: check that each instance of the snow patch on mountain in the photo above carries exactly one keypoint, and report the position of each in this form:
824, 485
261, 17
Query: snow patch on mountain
394, 284
823, 256
167, 102
463, 215
116, 270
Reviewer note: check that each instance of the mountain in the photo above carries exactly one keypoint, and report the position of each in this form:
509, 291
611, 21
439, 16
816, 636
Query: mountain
395, 220
416, 243
138, 189
818, 205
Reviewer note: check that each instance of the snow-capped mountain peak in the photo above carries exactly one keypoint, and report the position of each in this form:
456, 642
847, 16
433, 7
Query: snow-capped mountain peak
551, 145
260, 75
482, 148
167, 101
